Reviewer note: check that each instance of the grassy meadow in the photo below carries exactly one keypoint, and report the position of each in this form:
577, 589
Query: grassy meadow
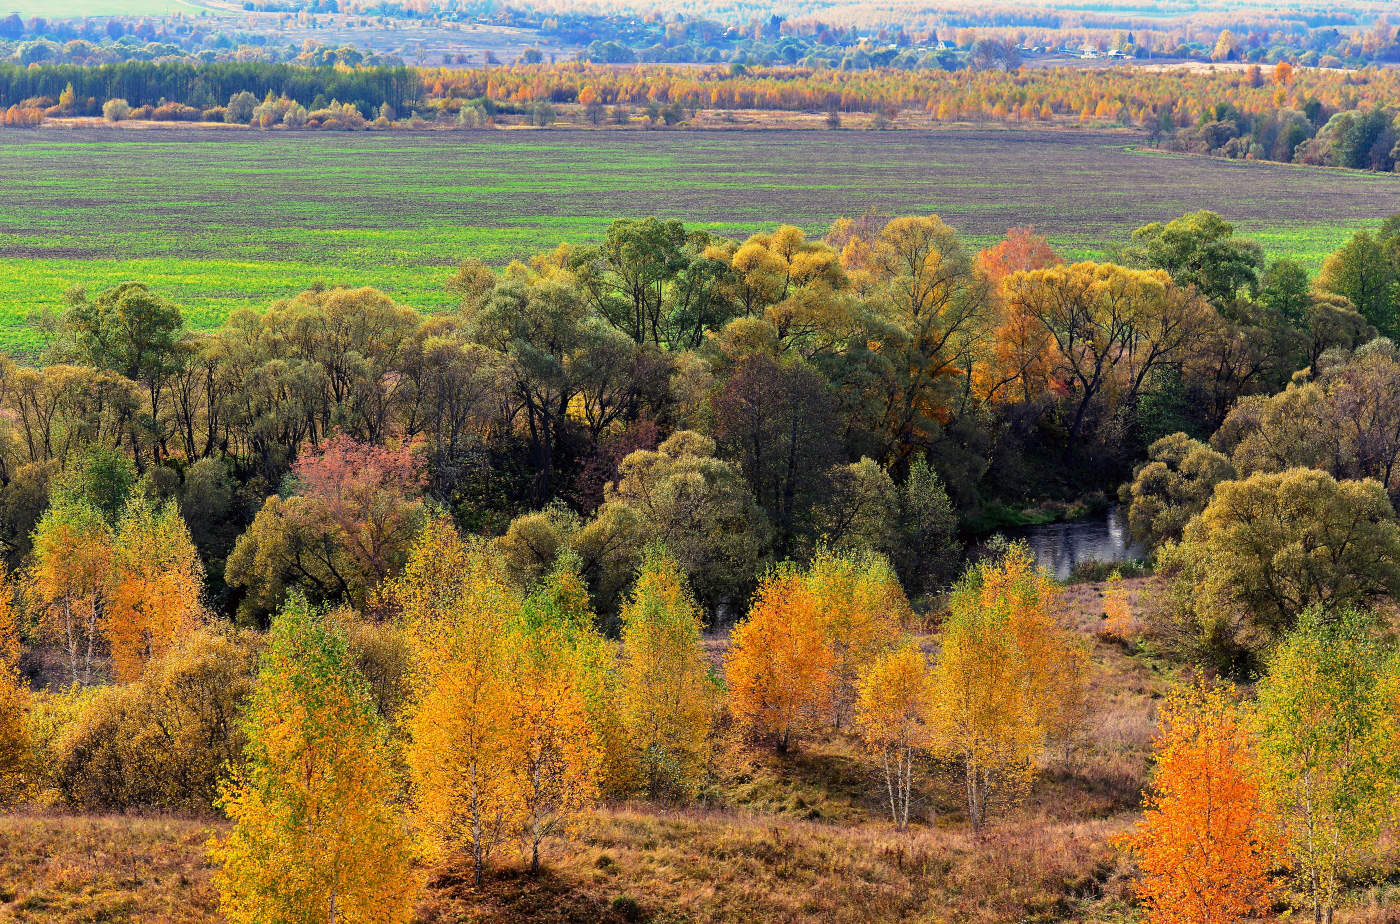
216, 220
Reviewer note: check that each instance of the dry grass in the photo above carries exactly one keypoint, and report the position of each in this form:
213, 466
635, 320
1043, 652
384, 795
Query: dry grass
65, 868
643, 864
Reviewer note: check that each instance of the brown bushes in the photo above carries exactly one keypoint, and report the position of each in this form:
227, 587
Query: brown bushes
160, 742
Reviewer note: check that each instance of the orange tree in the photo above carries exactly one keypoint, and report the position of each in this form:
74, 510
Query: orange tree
1207, 840
779, 665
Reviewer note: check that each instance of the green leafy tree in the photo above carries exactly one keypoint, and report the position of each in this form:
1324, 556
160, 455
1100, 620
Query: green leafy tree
1200, 250
132, 331
99, 476
1330, 747
929, 528
1268, 547
697, 506
1284, 288
1361, 273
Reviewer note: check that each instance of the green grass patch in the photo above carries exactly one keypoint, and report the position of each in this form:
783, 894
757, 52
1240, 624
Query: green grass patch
216, 222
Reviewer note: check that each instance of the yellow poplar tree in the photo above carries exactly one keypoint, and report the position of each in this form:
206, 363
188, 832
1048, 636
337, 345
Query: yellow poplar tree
666, 695
552, 755
563, 602
457, 607
153, 596
556, 750
1009, 676
317, 835
895, 708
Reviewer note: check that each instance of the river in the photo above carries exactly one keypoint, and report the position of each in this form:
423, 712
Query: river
1059, 547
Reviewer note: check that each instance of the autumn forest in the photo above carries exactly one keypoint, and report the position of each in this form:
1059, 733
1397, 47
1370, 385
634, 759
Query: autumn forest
661, 544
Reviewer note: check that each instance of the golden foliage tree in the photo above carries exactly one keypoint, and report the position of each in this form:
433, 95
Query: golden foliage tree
71, 561
505, 731
1009, 676
317, 834
14, 696
154, 590
1207, 841
1109, 329
779, 665
895, 711
457, 607
553, 755
795, 662
666, 696
561, 603
861, 608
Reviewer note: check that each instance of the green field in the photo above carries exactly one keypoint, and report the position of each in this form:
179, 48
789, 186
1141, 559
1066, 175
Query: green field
220, 220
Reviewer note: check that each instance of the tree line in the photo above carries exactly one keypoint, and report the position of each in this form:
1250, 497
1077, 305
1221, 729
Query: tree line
152, 83
1289, 114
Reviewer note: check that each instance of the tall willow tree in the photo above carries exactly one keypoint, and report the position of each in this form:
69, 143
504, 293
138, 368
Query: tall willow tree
317, 836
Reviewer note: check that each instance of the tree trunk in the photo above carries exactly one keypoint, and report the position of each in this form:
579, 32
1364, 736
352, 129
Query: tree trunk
974, 798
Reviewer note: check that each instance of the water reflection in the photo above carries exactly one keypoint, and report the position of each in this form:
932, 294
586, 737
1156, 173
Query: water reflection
1061, 546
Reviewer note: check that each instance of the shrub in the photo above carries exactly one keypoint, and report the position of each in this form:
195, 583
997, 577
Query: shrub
240, 108
115, 110
176, 112
163, 741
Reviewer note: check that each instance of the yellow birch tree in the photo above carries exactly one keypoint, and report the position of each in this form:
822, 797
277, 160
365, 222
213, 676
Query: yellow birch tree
317, 835
667, 698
